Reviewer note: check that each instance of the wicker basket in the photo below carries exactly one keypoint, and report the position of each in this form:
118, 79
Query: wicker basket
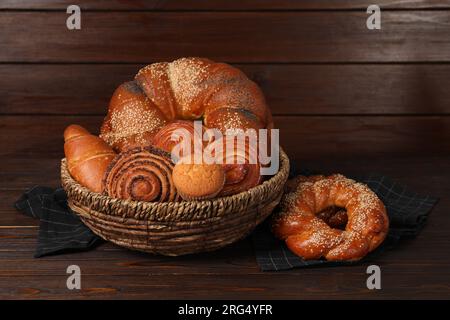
176, 228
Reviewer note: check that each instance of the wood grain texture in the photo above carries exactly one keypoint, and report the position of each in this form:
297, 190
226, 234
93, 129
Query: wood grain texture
289, 89
18, 244
339, 283
399, 280
339, 137
346, 99
222, 4
111, 272
282, 37
416, 268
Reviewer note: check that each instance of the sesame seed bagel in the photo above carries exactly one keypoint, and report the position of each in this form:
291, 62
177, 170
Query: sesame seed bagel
301, 224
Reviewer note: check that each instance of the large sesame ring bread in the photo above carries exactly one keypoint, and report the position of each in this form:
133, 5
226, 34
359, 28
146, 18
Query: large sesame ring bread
310, 237
185, 89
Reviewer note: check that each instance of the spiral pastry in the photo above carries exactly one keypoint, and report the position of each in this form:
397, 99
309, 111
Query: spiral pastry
142, 174
182, 133
242, 172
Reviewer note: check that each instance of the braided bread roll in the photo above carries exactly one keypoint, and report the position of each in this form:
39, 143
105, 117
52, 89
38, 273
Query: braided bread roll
87, 156
189, 89
142, 174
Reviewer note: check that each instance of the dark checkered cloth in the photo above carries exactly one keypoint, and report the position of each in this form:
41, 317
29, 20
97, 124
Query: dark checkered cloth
407, 213
60, 229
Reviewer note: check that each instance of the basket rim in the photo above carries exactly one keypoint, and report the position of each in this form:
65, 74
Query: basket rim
72, 186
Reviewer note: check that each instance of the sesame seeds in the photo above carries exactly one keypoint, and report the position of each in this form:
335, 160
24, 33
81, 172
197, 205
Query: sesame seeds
185, 76
366, 217
131, 120
230, 120
192, 87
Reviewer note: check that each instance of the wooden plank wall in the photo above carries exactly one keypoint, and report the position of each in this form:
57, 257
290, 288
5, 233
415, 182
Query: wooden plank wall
345, 99
336, 88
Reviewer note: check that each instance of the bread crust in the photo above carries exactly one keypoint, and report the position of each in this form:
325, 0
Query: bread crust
185, 89
87, 156
310, 237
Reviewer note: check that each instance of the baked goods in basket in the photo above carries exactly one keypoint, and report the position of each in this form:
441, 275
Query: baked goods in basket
87, 156
175, 228
156, 112
187, 88
139, 207
143, 174
310, 237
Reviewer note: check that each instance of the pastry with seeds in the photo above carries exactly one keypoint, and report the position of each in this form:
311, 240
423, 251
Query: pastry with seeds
299, 223
186, 89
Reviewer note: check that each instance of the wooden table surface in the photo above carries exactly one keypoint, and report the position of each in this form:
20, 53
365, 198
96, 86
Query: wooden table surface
346, 99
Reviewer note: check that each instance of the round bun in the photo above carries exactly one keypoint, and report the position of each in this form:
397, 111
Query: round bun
185, 89
198, 181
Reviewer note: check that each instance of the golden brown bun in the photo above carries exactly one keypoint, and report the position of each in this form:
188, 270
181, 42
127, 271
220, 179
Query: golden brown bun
175, 133
132, 119
185, 89
198, 181
87, 156
242, 171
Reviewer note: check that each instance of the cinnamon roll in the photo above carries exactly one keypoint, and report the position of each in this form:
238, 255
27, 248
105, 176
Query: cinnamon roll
142, 174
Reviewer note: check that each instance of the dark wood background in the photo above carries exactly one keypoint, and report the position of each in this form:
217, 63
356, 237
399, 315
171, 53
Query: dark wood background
347, 99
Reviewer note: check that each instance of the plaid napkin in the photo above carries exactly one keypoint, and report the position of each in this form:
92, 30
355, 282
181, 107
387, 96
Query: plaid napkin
60, 229
407, 213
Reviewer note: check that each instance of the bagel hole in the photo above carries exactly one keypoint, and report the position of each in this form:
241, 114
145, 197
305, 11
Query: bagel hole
335, 217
